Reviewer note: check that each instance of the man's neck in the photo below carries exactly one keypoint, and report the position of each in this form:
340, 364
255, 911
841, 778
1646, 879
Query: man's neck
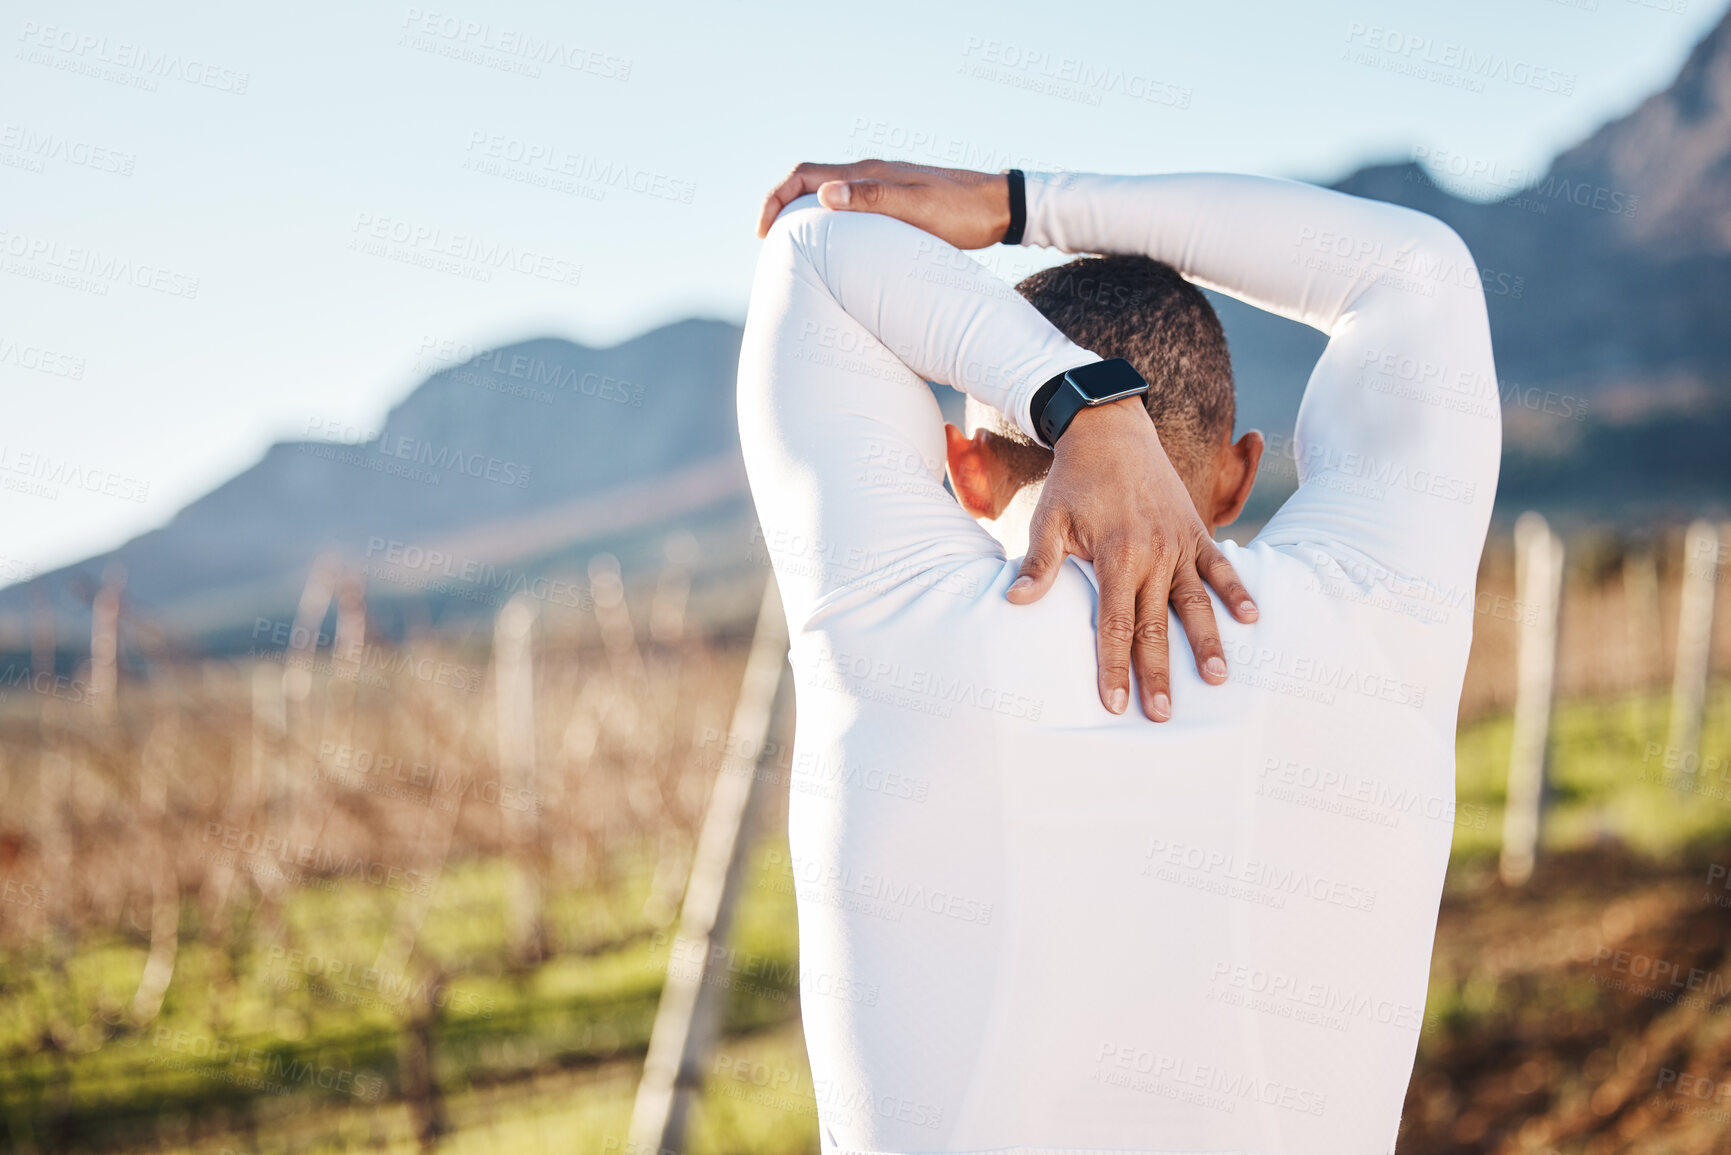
1011, 526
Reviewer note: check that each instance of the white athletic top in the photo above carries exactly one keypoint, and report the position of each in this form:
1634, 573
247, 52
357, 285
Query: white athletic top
1029, 925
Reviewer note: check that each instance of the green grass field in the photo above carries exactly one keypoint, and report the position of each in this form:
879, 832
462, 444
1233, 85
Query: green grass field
273, 1049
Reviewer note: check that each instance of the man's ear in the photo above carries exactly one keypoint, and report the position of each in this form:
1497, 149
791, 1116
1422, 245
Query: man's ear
1236, 463
976, 473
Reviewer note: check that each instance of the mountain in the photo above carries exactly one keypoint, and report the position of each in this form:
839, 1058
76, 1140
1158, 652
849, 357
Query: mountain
482, 478
1673, 150
1608, 285
1608, 282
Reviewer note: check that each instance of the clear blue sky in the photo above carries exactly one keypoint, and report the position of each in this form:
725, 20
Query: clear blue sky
256, 146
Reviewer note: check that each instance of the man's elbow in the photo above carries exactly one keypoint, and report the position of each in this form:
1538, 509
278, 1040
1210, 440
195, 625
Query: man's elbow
1446, 245
1443, 270
1442, 248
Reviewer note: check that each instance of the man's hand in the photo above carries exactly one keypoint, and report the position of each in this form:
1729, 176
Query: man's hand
970, 210
1112, 497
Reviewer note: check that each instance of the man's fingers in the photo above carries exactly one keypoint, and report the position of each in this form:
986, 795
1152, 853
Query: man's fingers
1151, 654
1116, 628
1218, 572
870, 196
1047, 549
767, 214
1196, 611
803, 179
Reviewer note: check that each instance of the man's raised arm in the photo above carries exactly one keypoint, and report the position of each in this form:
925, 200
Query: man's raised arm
873, 281
1399, 433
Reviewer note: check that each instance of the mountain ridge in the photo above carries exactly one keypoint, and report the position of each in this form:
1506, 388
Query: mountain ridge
1608, 282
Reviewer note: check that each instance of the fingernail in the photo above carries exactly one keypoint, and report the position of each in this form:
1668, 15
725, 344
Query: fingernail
1247, 608
1162, 707
841, 194
1214, 668
1119, 702
1020, 584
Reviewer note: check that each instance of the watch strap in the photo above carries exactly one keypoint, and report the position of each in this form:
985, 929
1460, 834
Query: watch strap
1053, 406
1018, 207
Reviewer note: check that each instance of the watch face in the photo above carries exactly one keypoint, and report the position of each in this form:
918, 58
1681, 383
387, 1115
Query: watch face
1107, 380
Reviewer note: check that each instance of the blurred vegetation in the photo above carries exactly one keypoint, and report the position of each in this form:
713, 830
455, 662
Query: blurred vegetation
284, 1029
576, 1025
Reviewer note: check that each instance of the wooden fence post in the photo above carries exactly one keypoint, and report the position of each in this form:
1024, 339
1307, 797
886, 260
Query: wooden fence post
303, 643
299, 662
269, 738
54, 783
689, 1015
514, 709
673, 590
664, 663
257, 783
348, 654
1538, 591
613, 616
1694, 652
105, 642
157, 761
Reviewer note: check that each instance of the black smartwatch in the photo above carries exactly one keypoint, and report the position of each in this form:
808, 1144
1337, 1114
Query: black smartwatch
1058, 401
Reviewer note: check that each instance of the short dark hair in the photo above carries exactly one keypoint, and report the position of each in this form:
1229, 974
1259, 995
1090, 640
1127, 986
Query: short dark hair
1142, 310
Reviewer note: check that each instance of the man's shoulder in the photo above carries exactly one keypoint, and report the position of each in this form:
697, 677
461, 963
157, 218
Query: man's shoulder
1346, 585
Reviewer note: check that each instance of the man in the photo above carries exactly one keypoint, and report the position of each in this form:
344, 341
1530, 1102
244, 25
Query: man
1029, 922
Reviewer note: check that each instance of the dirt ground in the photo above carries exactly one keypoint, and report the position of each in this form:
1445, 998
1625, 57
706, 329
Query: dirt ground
1592, 1011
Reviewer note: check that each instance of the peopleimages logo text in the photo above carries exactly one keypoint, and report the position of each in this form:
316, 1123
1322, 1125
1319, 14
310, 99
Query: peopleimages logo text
515, 43
419, 243
53, 471
90, 49
455, 460
103, 267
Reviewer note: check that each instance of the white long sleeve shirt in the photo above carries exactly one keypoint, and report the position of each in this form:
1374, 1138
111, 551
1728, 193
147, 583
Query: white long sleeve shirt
1026, 924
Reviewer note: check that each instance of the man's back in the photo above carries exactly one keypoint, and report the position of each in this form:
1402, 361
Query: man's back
1087, 930
1027, 924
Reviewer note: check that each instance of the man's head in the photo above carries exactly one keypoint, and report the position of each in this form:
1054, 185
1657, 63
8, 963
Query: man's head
1139, 309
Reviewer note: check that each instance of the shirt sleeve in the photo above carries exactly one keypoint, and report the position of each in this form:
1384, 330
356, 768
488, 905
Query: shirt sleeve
851, 314
1399, 432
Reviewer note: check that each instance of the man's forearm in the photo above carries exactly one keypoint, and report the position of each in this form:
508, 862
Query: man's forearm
938, 310
1306, 253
